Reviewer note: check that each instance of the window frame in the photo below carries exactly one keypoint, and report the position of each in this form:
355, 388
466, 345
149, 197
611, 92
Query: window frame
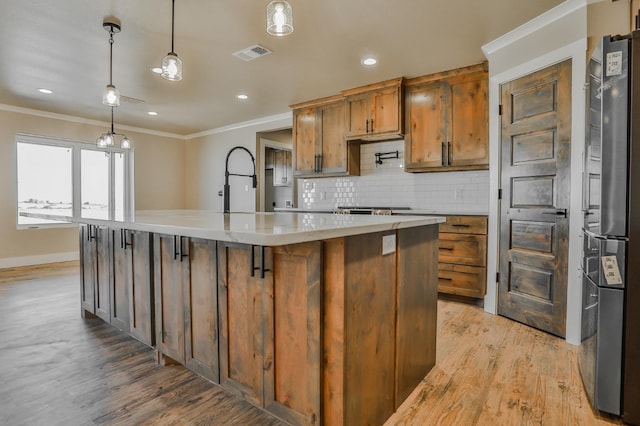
76, 181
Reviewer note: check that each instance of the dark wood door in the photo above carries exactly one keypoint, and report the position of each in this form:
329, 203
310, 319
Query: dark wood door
121, 279
169, 307
141, 286
241, 297
201, 334
87, 269
535, 172
103, 273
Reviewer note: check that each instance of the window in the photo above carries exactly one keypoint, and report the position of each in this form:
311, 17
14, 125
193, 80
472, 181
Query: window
69, 178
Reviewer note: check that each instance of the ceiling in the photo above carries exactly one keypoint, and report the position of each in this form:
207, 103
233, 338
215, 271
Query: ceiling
61, 45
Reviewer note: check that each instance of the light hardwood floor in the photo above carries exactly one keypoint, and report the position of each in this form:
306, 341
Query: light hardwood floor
57, 369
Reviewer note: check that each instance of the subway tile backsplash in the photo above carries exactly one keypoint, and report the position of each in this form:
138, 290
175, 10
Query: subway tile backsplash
388, 185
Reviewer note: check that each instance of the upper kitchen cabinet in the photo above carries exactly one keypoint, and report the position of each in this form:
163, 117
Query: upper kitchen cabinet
320, 147
447, 121
374, 112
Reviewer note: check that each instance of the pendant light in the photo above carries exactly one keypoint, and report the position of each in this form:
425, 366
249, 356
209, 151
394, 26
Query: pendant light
111, 95
107, 139
171, 64
279, 18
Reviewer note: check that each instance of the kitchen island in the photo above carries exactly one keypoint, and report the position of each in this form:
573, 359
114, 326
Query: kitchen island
319, 319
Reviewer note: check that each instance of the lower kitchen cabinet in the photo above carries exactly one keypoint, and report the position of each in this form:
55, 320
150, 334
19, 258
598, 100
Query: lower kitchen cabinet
261, 290
95, 273
132, 288
463, 256
116, 279
186, 303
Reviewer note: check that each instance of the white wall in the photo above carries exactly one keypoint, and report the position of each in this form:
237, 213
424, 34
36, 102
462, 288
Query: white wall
205, 164
159, 181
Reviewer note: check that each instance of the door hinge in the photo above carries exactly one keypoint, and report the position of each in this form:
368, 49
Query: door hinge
498, 277
500, 109
499, 193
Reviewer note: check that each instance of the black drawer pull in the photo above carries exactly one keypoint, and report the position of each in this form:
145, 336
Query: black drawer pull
461, 225
445, 279
446, 248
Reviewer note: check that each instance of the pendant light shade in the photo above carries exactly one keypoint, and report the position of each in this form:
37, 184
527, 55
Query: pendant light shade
111, 96
279, 18
171, 64
172, 67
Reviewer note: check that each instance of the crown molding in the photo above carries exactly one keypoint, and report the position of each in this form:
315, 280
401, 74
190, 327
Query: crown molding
243, 124
536, 24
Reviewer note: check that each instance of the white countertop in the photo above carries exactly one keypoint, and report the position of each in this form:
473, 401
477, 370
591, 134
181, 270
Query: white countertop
418, 212
266, 229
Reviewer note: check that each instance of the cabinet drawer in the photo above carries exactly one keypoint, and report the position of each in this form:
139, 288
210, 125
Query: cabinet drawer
465, 225
470, 281
463, 249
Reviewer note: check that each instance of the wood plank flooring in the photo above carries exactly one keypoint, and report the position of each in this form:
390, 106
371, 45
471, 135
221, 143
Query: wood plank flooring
57, 369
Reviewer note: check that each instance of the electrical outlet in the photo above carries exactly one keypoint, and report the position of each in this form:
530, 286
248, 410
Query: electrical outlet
388, 244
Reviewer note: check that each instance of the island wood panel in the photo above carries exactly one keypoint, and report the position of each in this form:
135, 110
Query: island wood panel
292, 338
333, 333
416, 308
87, 272
370, 326
121, 278
103, 273
169, 299
241, 298
142, 303
201, 309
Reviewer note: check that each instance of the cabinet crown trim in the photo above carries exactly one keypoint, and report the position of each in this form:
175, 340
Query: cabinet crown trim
375, 86
477, 68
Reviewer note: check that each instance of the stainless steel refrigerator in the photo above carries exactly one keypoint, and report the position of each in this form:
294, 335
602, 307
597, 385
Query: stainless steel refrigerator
610, 350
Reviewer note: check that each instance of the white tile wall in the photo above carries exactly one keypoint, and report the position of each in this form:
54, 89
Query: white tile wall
388, 185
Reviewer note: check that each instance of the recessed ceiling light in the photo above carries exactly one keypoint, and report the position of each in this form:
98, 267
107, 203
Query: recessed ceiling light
242, 97
152, 113
45, 91
369, 61
156, 70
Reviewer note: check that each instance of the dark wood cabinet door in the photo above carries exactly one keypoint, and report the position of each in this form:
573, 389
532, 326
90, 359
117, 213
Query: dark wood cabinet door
293, 357
88, 266
240, 300
331, 122
121, 280
141, 286
201, 309
535, 173
358, 112
468, 143
169, 297
305, 140
103, 273
426, 126
385, 114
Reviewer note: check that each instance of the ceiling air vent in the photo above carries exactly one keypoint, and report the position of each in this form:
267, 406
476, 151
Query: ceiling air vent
251, 52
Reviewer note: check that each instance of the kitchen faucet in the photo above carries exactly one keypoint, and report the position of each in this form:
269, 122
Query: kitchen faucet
227, 174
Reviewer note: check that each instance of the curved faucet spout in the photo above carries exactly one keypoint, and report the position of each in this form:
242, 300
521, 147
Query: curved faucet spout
227, 174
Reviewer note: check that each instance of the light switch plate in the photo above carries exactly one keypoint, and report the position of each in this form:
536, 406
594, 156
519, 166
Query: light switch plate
388, 244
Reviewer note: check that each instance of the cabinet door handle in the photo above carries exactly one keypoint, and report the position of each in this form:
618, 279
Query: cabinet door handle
445, 279
319, 163
443, 153
252, 261
448, 153
367, 126
182, 255
175, 247
446, 248
461, 225
559, 212
372, 125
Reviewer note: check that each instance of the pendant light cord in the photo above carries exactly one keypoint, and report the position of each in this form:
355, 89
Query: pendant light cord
111, 56
173, 11
112, 132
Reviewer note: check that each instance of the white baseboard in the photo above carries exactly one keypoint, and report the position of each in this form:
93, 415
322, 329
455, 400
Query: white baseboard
13, 262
